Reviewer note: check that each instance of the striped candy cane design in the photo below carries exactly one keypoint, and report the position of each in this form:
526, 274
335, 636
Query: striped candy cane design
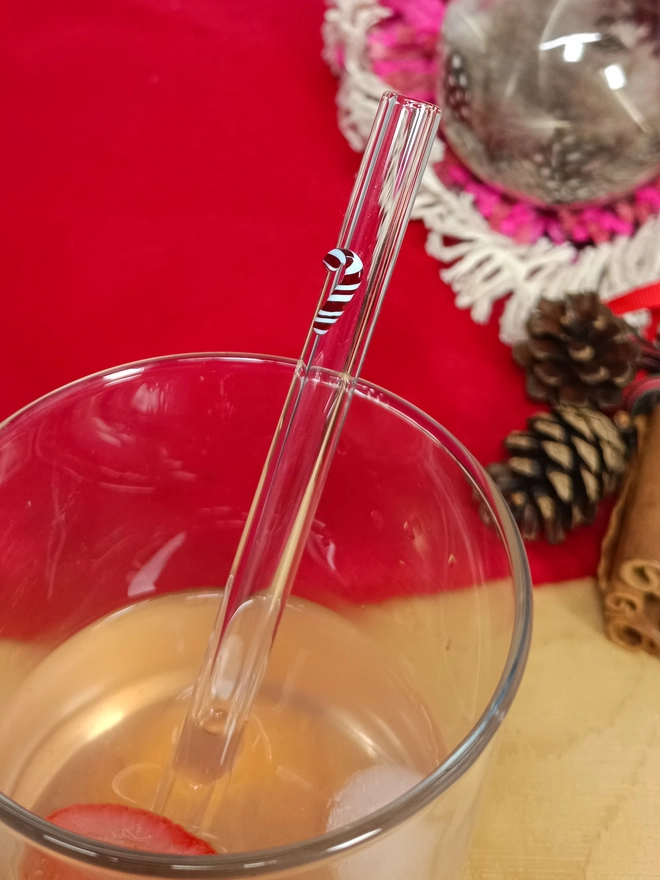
342, 293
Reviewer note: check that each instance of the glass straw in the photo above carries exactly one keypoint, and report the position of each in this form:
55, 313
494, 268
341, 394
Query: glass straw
273, 539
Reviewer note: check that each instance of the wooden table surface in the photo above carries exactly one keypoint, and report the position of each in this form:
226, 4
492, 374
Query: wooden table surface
575, 794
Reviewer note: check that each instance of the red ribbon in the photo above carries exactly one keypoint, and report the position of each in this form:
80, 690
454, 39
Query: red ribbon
647, 297
642, 394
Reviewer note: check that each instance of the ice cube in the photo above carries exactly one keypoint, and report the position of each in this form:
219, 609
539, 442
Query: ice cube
368, 790
406, 852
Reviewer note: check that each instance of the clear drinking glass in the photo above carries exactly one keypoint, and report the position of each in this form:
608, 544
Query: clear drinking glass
123, 497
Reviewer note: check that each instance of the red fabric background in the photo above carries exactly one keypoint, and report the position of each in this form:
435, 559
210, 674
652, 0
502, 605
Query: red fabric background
171, 175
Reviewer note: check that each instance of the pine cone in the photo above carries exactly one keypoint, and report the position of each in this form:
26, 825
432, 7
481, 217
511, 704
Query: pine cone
578, 352
565, 161
650, 355
457, 86
566, 462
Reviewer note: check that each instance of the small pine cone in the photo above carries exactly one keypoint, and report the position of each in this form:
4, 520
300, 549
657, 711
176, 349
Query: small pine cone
457, 86
650, 357
563, 163
578, 352
561, 467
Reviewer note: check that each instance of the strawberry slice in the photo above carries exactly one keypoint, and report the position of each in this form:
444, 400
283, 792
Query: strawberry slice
112, 823
130, 828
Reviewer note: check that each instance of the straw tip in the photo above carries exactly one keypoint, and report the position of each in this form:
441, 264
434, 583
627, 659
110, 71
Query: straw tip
390, 97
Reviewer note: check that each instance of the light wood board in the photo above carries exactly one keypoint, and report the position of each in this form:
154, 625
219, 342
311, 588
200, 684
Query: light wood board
575, 794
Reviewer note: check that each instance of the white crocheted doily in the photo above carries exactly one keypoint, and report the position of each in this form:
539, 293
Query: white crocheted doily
482, 266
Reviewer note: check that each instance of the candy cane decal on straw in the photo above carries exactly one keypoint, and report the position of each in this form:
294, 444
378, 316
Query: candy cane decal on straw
342, 293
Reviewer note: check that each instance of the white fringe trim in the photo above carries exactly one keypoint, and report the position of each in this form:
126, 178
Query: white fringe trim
484, 266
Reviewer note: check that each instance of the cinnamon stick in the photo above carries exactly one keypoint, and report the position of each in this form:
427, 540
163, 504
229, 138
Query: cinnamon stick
629, 572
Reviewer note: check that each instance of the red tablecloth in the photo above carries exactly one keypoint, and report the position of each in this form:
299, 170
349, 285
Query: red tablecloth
162, 161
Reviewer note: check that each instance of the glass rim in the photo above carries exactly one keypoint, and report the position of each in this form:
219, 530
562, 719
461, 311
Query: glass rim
349, 837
